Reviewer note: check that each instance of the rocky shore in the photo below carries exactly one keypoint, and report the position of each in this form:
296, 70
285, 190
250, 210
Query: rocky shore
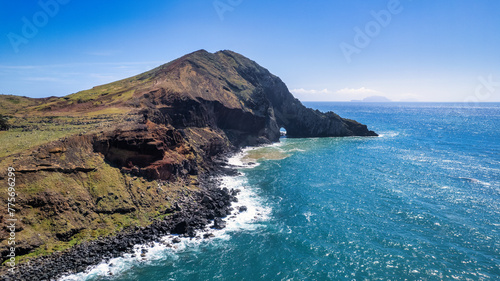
128, 162
196, 211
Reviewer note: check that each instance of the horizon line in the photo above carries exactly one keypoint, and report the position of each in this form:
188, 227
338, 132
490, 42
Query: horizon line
324, 101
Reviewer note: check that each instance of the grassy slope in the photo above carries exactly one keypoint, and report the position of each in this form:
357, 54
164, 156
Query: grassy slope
86, 202
38, 121
72, 198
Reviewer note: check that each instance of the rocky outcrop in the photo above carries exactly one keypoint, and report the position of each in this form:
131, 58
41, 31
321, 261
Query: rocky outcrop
148, 150
190, 213
182, 119
225, 90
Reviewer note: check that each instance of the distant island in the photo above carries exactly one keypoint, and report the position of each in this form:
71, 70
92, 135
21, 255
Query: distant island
127, 162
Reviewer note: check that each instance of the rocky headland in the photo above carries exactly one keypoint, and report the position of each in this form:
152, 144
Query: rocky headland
125, 163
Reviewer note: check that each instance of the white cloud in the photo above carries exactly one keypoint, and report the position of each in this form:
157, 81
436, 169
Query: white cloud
345, 94
348, 94
303, 91
311, 94
360, 91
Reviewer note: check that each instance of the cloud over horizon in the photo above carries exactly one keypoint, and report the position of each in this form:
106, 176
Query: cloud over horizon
359, 91
345, 94
348, 94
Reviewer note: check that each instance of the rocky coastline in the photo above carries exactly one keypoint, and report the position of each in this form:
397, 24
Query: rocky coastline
93, 189
196, 211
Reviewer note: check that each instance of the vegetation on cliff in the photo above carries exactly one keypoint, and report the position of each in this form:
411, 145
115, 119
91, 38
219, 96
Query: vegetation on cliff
4, 123
96, 162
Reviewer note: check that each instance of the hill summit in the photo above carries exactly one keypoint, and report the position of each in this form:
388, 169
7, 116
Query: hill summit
223, 89
132, 159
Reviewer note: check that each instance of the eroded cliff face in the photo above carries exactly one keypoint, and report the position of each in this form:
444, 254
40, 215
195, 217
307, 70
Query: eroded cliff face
227, 91
180, 119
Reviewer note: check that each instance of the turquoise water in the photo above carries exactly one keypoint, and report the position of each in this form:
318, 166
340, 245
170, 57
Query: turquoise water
420, 202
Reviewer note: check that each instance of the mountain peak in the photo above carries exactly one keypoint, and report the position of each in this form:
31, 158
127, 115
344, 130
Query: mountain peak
172, 124
224, 79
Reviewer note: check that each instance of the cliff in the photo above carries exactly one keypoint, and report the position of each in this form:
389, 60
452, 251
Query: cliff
122, 155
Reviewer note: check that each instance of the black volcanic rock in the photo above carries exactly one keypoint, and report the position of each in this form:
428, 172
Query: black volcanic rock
173, 129
233, 93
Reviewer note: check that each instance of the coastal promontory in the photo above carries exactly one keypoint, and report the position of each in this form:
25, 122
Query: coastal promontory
134, 158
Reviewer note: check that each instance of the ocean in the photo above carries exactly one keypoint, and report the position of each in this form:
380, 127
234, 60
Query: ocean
419, 202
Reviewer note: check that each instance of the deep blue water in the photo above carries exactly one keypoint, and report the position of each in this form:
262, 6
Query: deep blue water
420, 202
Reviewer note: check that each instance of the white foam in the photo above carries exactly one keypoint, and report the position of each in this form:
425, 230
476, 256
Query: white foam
484, 183
473, 180
248, 220
308, 216
116, 266
236, 161
296, 149
389, 134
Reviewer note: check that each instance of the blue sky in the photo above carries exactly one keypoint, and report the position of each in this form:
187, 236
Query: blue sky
323, 50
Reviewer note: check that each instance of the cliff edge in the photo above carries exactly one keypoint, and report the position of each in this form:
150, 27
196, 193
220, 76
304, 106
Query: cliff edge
240, 97
137, 153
